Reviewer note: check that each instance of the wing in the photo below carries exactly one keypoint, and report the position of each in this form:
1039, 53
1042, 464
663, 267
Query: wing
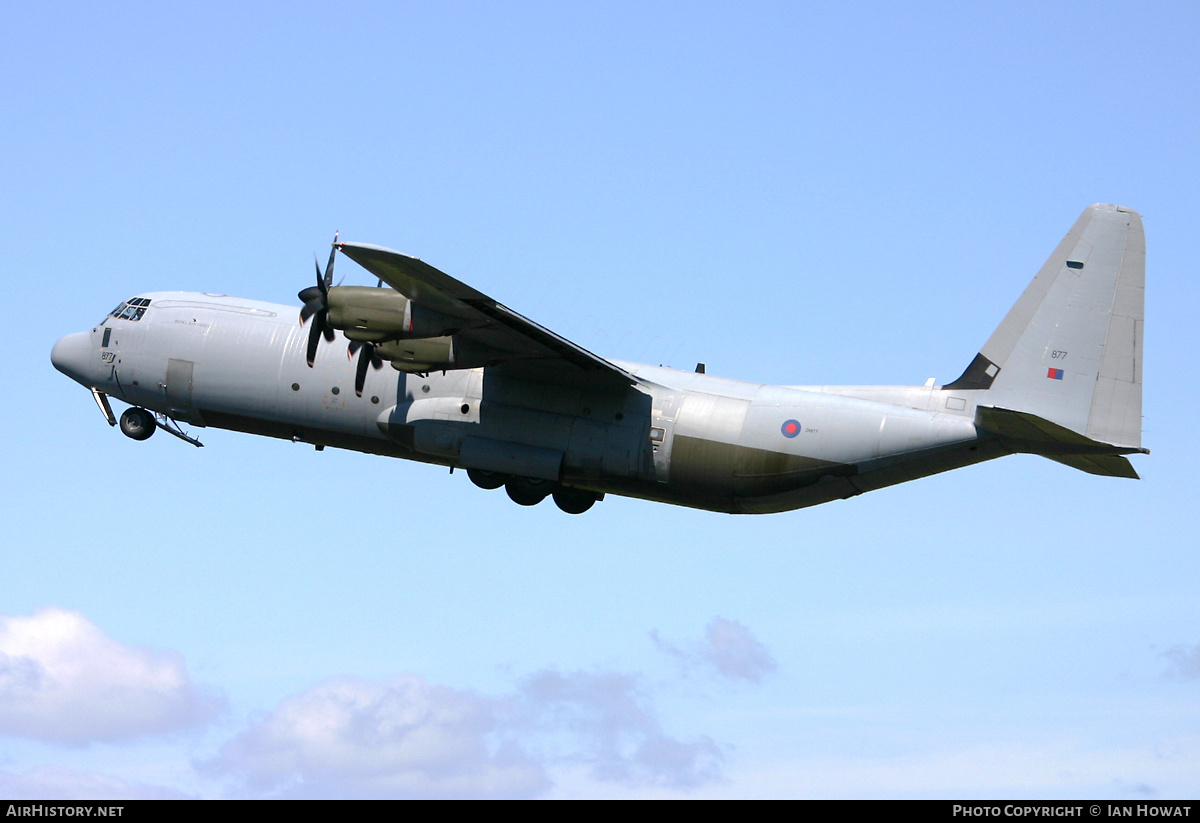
521, 348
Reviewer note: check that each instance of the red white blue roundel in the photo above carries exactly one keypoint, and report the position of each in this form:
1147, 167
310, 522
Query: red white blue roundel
790, 428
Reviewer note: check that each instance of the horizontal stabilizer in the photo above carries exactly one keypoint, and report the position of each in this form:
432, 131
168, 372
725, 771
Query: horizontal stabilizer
1025, 432
1018, 425
1106, 465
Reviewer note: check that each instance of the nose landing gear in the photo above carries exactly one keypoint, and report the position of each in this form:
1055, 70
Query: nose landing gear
137, 423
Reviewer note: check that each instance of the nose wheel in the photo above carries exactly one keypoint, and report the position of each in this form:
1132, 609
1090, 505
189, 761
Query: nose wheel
137, 423
141, 423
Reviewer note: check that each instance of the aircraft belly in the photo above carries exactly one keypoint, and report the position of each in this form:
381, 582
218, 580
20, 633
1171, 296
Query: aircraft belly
598, 449
479, 433
761, 472
439, 425
799, 449
704, 451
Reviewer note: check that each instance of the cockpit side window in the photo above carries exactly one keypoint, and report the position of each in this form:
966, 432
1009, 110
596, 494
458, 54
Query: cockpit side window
131, 309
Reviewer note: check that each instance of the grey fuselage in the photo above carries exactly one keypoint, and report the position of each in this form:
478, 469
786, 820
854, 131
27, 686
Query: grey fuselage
677, 437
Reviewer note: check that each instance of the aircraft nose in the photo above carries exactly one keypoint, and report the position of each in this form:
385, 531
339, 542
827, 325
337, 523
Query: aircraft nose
71, 356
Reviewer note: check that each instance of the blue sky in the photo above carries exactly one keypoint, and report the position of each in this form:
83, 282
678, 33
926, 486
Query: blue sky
792, 193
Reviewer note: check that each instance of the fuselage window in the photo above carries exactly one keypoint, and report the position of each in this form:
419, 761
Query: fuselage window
131, 309
107, 337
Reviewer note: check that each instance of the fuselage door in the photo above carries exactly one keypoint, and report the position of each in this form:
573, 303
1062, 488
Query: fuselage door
178, 388
662, 431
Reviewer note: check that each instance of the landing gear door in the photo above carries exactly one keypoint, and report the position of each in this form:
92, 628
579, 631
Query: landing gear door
662, 431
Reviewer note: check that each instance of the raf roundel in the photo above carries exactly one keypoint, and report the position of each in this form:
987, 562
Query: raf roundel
790, 428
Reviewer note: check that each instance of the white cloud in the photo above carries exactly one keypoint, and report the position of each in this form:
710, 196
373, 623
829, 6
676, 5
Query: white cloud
612, 727
410, 738
729, 647
401, 738
62, 680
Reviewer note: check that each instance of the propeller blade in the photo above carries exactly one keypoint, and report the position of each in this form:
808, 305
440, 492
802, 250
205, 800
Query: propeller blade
314, 337
360, 372
329, 266
316, 305
308, 310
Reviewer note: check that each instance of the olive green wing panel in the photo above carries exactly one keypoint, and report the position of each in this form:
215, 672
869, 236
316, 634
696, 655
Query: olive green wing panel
415, 279
496, 334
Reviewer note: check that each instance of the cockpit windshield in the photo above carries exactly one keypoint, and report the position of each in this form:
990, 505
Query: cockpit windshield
131, 309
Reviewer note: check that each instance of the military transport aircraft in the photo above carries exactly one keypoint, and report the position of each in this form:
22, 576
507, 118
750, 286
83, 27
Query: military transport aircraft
475, 385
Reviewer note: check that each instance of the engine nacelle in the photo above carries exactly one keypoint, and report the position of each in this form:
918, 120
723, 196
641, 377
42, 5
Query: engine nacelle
424, 355
368, 314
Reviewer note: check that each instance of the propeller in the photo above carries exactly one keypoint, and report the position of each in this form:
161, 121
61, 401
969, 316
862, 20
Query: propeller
368, 357
316, 305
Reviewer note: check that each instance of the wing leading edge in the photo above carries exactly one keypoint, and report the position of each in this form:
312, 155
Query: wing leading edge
521, 347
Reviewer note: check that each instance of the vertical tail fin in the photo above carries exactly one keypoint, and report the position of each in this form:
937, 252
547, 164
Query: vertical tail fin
1070, 350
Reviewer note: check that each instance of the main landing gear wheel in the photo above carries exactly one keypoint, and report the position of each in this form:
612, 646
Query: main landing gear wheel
485, 479
137, 423
527, 491
574, 501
